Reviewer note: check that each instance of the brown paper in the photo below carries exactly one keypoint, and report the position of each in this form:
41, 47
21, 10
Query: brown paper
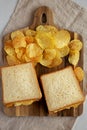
67, 15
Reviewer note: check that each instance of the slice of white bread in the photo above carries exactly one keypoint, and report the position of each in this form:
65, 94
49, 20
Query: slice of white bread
61, 90
20, 85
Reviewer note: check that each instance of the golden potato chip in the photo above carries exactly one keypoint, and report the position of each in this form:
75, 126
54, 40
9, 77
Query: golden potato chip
74, 57
33, 50
29, 39
45, 62
23, 103
79, 73
24, 58
16, 34
51, 28
10, 51
30, 32
27, 59
64, 51
8, 48
62, 38
55, 62
47, 28
75, 45
51, 62
8, 43
37, 59
45, 40
49, 54
12, 60
19, 42
19, 52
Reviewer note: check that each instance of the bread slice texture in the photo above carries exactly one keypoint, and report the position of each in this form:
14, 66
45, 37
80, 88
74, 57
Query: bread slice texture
20, 85
61, 90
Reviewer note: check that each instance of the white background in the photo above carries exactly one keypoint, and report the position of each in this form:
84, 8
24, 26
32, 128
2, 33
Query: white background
6, 9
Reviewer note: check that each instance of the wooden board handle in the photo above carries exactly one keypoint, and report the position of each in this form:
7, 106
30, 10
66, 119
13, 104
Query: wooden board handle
43, 16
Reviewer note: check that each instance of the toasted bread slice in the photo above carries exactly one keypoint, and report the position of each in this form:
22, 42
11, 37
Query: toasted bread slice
20, 85
61, 90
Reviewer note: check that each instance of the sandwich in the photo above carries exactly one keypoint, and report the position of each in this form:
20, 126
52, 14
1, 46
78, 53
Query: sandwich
20, 85
61, 90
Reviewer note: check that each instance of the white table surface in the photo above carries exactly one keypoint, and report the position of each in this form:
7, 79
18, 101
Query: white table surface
6, 9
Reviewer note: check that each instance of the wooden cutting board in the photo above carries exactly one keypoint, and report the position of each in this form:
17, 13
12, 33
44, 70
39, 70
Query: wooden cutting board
43, 16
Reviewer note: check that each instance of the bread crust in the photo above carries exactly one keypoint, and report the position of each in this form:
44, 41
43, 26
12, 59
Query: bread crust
67, 107
12, 103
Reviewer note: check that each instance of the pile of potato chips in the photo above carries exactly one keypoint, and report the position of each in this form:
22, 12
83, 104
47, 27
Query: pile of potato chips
47, 46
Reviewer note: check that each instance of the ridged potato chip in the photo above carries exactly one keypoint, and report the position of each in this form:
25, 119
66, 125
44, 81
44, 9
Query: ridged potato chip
19, 42
16, 34
19, 52
79, 73
33, 50
74, 57
33, 60
30, 32
9, 48
45, 62
75, 45
24, 58
62, 38
63, 51
55, 62
47, 28
49, 54
45, 40
29, 39
12, 60
51, 61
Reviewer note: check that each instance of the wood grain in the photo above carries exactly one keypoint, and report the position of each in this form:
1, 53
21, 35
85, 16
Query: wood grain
43, 16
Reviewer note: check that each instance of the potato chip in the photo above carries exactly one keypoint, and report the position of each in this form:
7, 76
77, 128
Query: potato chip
10, 51
75, 45
33, 50
62, 38
16, 34
12, 60
38, 58
33, 60
23, 103
74, 57
20, 52
79, 73
45, 40
24, 58
47, 28
8, 43
51, 62
51, 28
45, 62
55, 62
49, 54
30, 32
8, 48
24, 30
29, 39
19, 42
63, 51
